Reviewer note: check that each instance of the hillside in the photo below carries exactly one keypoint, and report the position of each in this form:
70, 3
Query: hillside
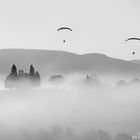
54, 62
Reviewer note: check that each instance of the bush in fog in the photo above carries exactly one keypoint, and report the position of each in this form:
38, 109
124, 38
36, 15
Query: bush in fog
121, 83
56, 79
89, 81
92, 80
135, 81
21, 79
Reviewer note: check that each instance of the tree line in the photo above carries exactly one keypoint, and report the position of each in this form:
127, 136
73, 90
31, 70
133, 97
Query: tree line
19, 79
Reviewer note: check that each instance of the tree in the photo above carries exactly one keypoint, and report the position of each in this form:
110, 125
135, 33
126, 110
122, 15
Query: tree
37, 79
34, 77
12, 78
32, 71
37, 75
14, 70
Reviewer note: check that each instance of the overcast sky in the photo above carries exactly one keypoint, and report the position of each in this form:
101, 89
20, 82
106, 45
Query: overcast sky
99, 26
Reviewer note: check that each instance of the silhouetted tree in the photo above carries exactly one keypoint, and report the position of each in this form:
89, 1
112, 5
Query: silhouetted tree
34, 77
14, 70
37, 79
32, 71
11, 79
37, 75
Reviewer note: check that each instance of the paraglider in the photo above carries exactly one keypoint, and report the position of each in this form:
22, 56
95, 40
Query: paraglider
132, 39
64, 28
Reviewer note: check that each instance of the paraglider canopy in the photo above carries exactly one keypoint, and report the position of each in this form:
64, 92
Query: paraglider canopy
129, 39
64, 28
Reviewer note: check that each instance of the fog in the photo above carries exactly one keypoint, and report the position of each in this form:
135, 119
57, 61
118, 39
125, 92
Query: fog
81, 110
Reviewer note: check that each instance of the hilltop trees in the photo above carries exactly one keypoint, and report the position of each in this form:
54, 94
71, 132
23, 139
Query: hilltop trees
21, 79
11, 80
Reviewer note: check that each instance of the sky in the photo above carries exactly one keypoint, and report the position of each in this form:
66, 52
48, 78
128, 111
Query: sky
99, 26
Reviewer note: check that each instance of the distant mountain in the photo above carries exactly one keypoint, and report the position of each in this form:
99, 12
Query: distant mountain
59, 62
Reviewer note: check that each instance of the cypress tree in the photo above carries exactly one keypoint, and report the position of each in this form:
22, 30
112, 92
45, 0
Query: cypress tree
32, 71
14, 70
